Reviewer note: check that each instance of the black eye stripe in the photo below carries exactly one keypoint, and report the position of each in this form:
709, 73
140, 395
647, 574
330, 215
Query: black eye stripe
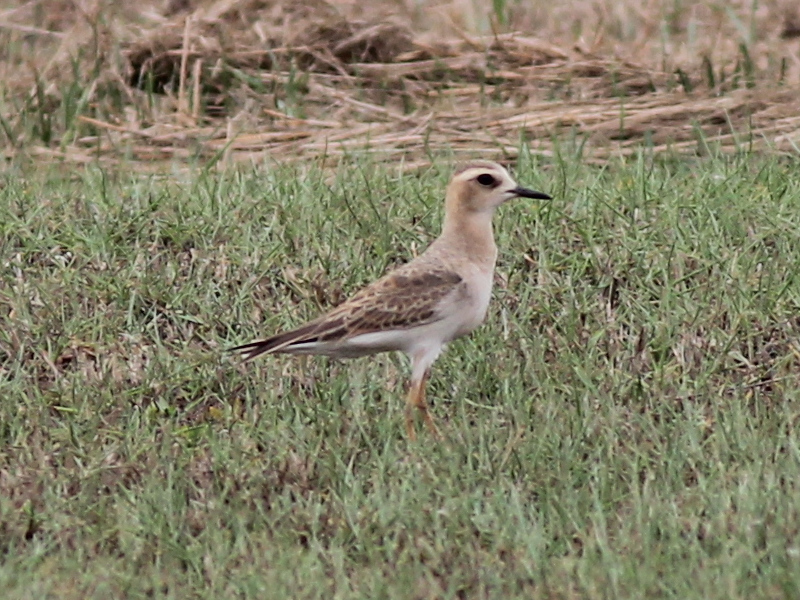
487, 180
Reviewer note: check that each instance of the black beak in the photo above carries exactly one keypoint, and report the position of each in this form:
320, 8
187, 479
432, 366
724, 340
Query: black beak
526, 193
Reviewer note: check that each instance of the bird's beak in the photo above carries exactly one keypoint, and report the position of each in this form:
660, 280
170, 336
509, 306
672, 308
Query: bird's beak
522, 192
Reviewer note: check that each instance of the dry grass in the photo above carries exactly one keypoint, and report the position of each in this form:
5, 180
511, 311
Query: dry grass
236, 78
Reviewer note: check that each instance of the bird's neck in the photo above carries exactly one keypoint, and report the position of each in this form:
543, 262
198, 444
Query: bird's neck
471, 235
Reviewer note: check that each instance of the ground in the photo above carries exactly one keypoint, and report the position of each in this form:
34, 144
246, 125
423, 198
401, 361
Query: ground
624, 423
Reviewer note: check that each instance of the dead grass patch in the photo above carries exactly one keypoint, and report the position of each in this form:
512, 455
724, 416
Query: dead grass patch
239, 79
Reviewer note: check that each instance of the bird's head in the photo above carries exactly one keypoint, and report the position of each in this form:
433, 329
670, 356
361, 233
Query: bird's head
482, 186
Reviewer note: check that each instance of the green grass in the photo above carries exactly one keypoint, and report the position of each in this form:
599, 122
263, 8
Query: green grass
622, 426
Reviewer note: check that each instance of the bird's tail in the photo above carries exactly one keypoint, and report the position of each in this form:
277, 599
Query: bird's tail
257, 348
314, 332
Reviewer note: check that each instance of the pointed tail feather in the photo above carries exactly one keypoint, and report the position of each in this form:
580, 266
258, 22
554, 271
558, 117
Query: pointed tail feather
314, 331
253, 349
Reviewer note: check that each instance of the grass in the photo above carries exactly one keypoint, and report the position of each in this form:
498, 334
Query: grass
623, 426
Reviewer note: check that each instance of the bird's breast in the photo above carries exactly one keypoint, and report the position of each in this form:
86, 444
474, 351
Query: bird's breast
478, 293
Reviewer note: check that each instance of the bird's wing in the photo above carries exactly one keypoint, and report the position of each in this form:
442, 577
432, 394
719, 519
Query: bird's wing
408, 297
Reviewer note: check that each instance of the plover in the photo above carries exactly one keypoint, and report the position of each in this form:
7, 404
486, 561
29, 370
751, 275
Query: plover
419, 307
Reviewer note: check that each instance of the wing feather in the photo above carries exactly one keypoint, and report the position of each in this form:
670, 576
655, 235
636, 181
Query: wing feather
408, 297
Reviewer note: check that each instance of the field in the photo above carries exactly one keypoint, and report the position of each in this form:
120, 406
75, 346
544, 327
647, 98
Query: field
625, 423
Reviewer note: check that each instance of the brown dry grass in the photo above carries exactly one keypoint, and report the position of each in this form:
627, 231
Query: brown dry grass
237, 79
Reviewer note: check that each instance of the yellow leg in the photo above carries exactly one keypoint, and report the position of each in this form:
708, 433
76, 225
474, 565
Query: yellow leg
416, 400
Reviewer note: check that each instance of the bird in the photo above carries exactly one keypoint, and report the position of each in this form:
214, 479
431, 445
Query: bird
420, 306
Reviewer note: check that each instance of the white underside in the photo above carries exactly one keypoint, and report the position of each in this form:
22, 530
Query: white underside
403, 340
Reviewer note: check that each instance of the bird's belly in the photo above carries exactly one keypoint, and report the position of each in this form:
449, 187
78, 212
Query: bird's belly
404, 340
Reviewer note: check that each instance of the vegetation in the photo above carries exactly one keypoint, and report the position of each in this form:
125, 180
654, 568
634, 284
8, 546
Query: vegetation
188, 176
624, 425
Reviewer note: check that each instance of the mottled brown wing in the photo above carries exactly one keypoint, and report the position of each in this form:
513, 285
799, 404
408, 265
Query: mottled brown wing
402, 299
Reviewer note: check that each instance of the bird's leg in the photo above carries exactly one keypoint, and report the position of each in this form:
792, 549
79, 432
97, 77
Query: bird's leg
422, 405
412, 435
416, 400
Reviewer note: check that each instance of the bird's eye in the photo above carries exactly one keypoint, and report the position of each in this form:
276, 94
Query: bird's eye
487, 180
